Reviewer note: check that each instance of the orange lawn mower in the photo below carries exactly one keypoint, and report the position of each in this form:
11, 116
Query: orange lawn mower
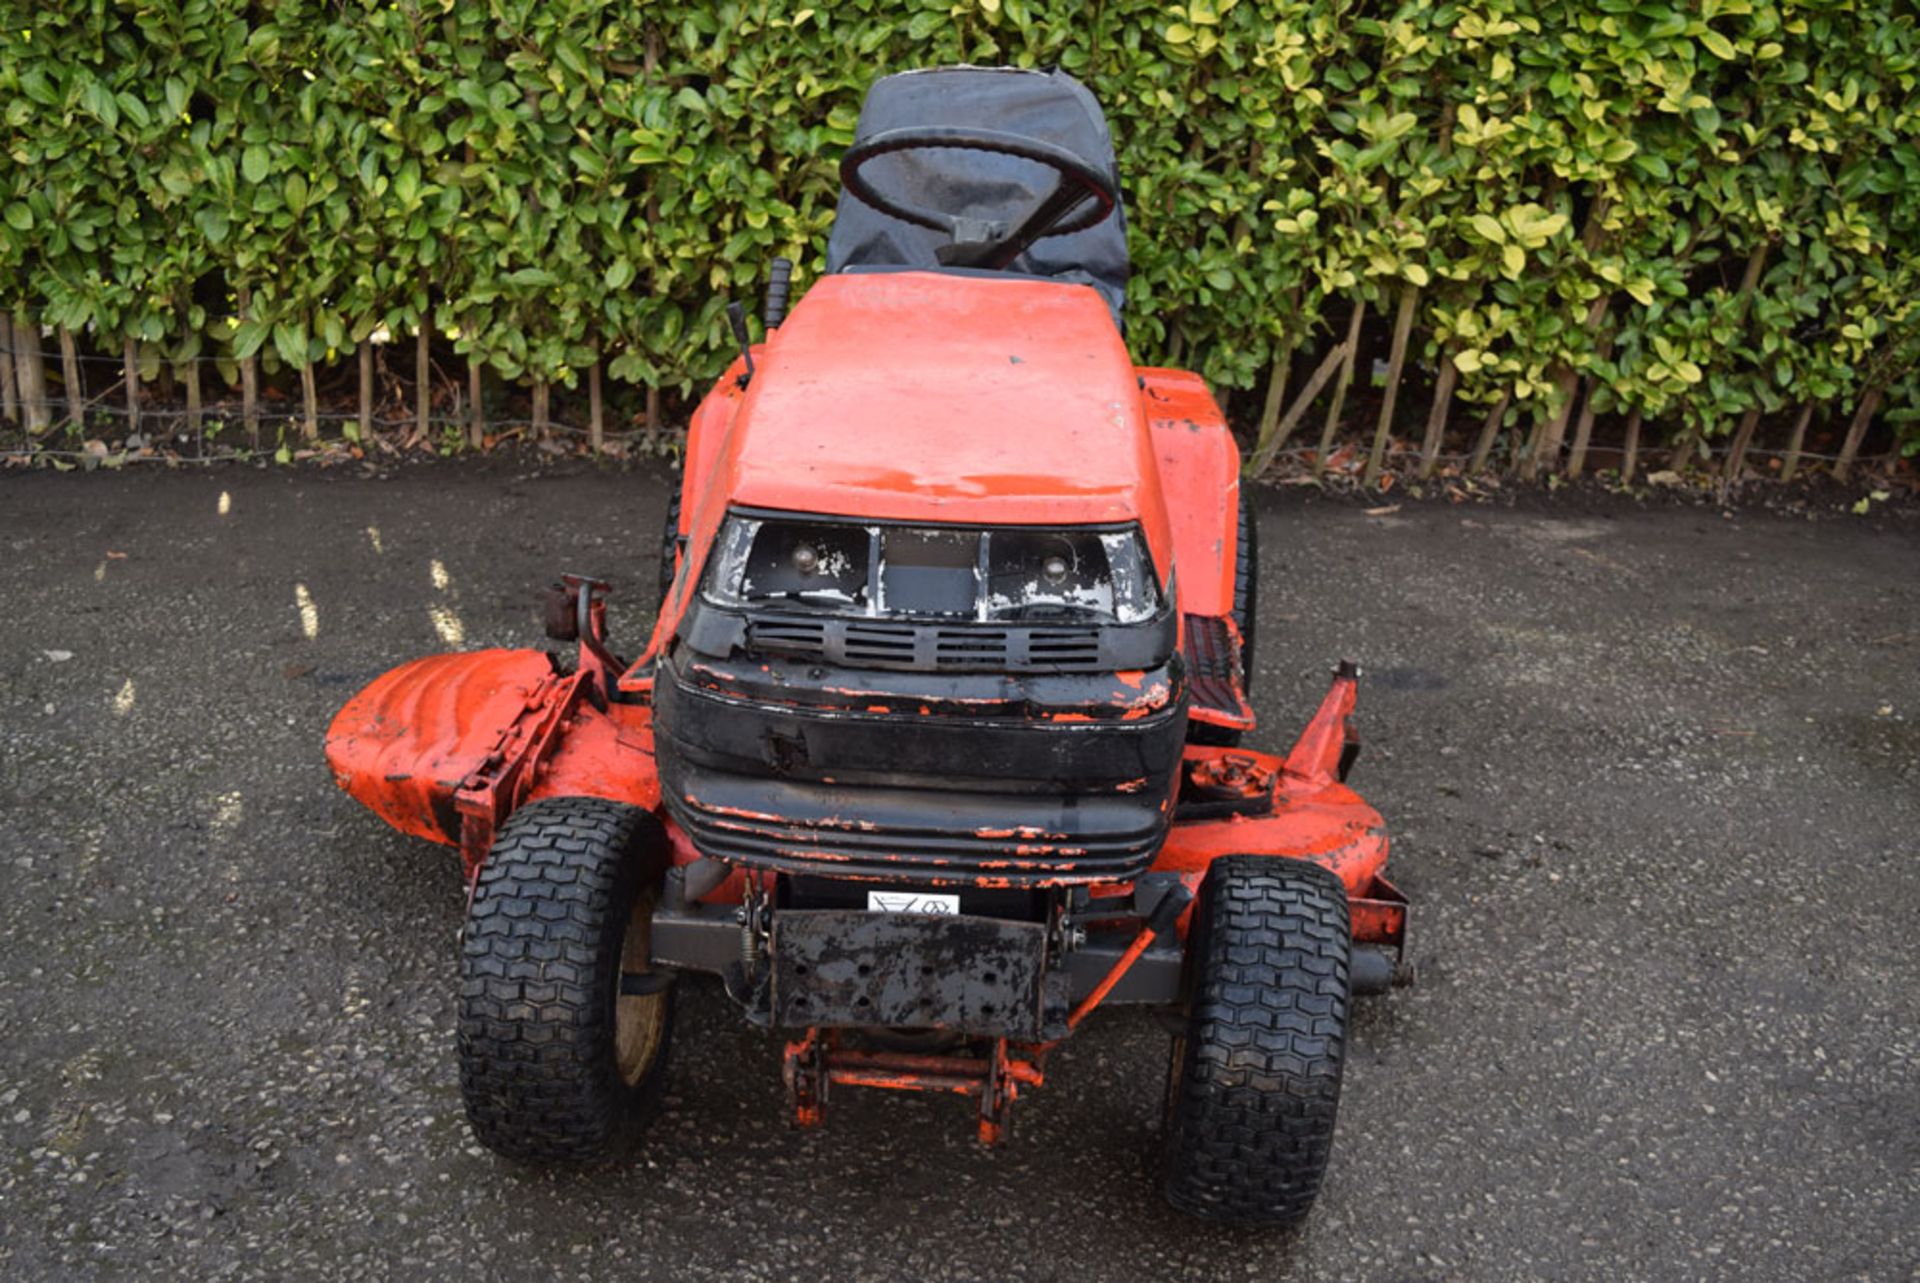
932, 751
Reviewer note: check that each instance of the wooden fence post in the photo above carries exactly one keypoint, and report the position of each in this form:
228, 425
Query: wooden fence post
1349, 348
1275, 402
366, 389
192, 379
249, 378
74, 381
596, 430
1489, 432
1263, 457
1856, 433
1437, 414
422, 379
309, 403
1737, 452
130, 380
477, 426
1396, 366
1631, 463
31, 372
9, 388
1796, 442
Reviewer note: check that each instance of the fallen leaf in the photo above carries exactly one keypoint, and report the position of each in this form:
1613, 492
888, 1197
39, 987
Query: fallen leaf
58, 656
1665, 477
117, 556
1387, 511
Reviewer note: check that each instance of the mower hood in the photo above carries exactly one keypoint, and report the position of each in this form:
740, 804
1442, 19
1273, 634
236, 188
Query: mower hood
983, 399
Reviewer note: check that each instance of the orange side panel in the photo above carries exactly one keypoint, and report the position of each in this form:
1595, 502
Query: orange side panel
706, 437
1200, 477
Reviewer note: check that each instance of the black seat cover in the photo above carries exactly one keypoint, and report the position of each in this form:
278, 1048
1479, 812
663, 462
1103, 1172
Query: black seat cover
1048, 105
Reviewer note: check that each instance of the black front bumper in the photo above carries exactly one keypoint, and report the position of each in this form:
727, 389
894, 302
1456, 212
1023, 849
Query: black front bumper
986, 781
921, 836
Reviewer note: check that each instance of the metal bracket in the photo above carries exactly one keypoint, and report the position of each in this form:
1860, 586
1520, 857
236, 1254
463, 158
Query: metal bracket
814, 1062
510, 769
590, 626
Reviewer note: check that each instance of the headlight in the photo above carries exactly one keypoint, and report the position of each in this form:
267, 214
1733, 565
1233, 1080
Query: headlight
802, 562
1024, 573
1060, 574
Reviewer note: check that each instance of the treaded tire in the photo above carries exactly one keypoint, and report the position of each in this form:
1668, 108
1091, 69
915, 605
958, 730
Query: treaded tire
1254, 1086
1246, 588
669, 545
1246, 615
540, 966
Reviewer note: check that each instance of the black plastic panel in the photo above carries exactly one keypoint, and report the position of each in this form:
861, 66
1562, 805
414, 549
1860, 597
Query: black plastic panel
971, 975
915, 836
1212, 663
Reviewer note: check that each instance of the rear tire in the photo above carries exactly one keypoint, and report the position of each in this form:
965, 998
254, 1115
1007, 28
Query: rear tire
1254, 1085
556, 1065
1246, 588
669, 545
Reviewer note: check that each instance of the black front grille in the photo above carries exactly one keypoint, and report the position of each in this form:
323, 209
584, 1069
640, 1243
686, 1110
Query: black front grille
931, 647
879, 645
800, 637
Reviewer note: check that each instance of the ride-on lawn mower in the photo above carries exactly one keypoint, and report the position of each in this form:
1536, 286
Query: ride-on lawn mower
931, 753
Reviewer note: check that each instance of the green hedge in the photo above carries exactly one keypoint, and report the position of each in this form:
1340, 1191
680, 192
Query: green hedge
1703, 214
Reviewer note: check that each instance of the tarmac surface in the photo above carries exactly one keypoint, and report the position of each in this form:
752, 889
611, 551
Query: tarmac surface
1654, 778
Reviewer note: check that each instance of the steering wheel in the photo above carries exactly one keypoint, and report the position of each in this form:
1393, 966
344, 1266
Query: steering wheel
1079, 182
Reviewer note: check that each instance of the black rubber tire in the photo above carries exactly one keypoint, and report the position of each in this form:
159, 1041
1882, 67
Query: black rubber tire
540, 964
1246, 615
669, 545
1253, 1087
1246, 588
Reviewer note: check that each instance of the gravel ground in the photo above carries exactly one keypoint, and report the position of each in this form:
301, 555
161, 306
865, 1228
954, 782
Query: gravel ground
1654, 782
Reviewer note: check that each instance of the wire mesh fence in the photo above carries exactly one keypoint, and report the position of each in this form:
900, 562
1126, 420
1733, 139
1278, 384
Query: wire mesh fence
71, 402
162, 421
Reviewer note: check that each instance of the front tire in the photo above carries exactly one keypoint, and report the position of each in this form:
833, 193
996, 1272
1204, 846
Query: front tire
557, 1064
1254, 1085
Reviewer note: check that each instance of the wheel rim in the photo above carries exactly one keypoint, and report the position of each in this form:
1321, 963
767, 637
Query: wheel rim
639, 1020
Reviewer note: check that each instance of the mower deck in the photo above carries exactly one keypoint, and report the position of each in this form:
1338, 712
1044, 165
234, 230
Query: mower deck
444, 746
